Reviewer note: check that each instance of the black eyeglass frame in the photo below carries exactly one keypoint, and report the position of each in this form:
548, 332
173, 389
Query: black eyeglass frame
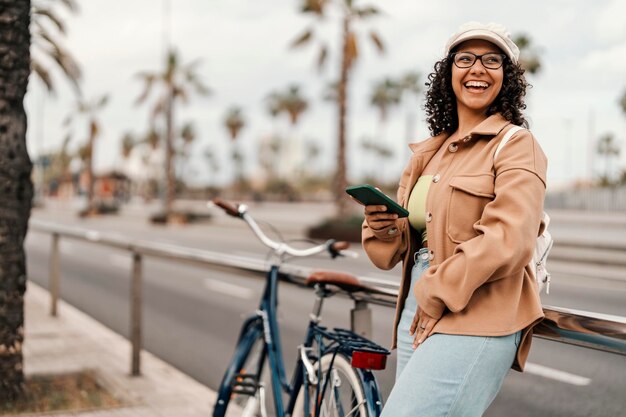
477, 57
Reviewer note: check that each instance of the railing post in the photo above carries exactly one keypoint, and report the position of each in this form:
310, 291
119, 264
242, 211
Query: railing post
54, 274
135, 314
361, 319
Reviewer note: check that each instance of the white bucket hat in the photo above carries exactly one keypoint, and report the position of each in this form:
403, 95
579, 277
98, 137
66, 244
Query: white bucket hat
492, 32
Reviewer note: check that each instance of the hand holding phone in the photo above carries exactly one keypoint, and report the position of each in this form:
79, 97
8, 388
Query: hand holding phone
371, 196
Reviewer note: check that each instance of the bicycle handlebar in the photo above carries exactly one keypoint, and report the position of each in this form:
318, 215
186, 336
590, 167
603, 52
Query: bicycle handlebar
229, 208
335, 248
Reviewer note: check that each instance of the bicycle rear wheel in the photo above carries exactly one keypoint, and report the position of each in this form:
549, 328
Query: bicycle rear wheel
344, 395
241, 390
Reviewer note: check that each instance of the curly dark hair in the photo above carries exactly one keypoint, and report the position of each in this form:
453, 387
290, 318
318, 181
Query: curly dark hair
440, 104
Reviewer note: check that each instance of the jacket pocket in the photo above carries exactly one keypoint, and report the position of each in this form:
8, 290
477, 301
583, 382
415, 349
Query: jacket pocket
469, 196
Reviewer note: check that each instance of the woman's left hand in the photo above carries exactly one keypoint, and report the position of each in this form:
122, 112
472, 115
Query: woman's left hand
424, 325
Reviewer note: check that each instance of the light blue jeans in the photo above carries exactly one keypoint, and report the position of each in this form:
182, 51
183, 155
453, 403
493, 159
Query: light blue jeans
447, 375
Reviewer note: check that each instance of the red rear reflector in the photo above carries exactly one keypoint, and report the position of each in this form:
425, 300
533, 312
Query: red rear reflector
369, 360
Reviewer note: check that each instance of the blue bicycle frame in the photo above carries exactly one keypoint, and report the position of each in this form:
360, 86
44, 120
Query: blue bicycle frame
264, 324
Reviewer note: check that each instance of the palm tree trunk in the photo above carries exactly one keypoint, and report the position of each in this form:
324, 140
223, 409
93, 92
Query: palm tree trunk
340, 177
169, 155
91, 184
16, 191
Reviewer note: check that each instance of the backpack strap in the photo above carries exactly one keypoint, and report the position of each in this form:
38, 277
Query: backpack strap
505, 139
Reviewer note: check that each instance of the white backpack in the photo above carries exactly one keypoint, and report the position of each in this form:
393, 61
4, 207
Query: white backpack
544, 240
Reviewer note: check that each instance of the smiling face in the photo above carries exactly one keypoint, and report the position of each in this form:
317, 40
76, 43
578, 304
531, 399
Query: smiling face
476, 87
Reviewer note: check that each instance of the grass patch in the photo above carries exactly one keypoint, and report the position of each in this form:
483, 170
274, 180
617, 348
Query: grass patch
66, 392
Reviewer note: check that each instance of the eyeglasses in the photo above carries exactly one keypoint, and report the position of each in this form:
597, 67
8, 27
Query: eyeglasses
467, 59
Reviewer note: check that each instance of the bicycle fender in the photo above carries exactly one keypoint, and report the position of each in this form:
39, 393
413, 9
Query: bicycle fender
250, 331
371, 391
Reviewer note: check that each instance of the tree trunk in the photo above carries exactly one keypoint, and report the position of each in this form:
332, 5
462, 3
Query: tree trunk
91, 207
168, 198
340, 177
16, 191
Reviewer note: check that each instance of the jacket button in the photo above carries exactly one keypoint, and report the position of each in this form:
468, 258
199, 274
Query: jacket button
429, 216
453, 147
436, 178
431, 255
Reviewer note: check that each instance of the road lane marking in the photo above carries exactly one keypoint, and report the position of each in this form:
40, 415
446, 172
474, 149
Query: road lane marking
228, 289
555, 374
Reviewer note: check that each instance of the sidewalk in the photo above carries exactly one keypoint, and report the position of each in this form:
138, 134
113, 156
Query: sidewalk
73, 341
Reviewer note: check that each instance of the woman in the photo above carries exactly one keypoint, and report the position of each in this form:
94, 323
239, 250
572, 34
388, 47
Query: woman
467, 301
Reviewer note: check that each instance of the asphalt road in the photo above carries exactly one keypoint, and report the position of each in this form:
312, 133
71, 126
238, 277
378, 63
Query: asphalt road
192, 316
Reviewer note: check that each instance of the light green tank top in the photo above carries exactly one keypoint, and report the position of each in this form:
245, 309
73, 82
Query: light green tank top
417, 204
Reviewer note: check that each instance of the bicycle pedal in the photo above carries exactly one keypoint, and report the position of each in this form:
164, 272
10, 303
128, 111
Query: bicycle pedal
245, 384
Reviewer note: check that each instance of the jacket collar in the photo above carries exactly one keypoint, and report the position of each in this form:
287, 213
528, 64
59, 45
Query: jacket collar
491, 126
431, 144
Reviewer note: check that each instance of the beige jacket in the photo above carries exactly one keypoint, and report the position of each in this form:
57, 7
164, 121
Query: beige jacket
483, 219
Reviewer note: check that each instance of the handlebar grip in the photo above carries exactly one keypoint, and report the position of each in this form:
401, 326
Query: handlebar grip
228, 207
339, 246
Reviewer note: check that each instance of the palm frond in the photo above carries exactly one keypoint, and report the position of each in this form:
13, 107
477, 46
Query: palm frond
367, 11
303, 39
148, 83
380, 46
71, 5
68, 65
323, 55
316, 7
94, 129
43, 74
352, 52
182, 94
102, 102
195, 82
51, 16
157, 109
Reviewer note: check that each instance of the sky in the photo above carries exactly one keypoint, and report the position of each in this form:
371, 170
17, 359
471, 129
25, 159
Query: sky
244, 50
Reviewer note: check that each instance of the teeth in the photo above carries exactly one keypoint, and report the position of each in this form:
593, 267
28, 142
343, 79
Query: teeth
481, 84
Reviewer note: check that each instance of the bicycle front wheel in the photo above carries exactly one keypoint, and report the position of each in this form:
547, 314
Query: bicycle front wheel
241, 391
344, 395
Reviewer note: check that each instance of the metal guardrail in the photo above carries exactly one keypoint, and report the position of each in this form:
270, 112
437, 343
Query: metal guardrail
582, 328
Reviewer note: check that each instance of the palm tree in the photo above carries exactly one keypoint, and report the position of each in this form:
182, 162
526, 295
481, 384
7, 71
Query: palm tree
46, 30
128, 143
176, 82
88, 110
17, 192
350, 13
608, 148
410, 87
187, 135
211, 160
293, 105
289, 102
385, 94
234, 122
529, 54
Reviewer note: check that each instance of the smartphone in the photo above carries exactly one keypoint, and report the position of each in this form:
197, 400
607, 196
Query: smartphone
368, 195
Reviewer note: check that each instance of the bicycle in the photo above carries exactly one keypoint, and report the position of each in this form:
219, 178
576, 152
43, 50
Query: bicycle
333, 374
